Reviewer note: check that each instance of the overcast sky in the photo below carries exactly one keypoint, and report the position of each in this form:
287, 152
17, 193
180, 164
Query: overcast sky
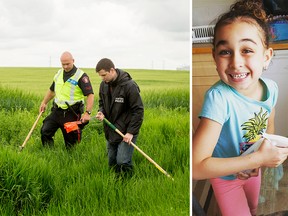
151, 34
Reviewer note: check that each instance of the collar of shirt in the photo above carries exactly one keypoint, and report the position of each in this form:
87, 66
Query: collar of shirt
67, 75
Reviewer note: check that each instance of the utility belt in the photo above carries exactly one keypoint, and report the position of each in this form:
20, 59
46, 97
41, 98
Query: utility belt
77, 107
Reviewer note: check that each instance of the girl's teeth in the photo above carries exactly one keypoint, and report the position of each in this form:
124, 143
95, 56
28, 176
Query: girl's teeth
239, 76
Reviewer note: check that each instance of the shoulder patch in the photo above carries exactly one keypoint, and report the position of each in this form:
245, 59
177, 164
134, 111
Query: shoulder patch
85, 79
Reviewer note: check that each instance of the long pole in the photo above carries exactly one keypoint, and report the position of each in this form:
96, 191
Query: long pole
138, 149
30, 132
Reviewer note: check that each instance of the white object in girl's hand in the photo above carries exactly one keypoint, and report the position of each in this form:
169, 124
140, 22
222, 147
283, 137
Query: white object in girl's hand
277, 140
253, 147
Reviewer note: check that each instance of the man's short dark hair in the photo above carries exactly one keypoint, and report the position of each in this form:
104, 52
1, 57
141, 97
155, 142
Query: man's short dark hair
104, 64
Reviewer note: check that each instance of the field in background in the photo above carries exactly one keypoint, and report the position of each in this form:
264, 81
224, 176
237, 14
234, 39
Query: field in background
40, 181
38, 80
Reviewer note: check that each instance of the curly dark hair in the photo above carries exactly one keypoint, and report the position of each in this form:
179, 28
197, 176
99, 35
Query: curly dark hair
250, 11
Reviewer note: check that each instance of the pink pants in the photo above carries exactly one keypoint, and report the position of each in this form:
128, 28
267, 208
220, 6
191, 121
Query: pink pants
237, 197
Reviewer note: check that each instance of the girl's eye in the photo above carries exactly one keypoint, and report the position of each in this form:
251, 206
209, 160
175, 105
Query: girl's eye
247, 51
224, 52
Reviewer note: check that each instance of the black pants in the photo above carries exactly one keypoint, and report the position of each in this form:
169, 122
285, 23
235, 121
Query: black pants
56, 120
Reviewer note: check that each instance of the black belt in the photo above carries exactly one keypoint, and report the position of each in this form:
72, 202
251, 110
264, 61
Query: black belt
58, 108
75, 107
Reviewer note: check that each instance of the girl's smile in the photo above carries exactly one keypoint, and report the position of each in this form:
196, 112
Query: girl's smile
240, 55
239, 76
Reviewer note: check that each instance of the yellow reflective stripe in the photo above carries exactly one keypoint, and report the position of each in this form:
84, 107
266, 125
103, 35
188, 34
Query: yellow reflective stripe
72, 90
57, 75
60, 72
68, 88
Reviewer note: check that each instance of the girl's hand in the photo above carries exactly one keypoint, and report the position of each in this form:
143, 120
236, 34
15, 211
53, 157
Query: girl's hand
244, 175
271, 155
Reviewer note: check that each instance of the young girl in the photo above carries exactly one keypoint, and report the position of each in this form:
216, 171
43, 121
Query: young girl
237, 110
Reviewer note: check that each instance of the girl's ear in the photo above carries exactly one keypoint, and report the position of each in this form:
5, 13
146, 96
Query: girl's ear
267, 57
213, 53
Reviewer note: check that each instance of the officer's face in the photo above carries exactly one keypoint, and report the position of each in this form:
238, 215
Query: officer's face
67, 64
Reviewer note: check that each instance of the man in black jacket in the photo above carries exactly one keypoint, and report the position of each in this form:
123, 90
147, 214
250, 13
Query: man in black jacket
121, 104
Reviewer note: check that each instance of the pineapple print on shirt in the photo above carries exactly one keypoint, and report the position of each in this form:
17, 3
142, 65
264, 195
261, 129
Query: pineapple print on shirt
255, 127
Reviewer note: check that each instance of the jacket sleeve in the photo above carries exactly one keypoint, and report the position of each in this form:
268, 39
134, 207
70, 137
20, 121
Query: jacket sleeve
101, 103
136, 108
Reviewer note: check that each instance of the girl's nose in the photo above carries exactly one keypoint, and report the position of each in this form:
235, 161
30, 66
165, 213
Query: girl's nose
237, 61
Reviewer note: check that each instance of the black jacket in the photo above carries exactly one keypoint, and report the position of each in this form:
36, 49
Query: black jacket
123, 108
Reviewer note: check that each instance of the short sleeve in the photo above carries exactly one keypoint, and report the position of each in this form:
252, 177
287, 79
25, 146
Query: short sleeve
215, 106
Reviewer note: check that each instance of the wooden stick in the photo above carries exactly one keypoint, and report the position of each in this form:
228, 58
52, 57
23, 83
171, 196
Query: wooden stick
30, 132
137, 148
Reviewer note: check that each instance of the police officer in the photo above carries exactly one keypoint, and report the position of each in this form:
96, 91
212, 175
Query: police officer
69, 89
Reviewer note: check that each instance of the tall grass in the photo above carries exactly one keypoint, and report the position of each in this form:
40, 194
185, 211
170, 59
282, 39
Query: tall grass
170, 99
26, 183
54, 181
14, 99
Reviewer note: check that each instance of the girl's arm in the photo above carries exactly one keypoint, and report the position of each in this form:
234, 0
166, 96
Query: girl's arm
205, 166
277, 151
271, 125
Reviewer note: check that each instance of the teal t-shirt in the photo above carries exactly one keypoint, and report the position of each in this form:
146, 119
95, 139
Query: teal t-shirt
243, 119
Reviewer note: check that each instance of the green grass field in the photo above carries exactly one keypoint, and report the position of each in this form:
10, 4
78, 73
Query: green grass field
40, 181
38, 80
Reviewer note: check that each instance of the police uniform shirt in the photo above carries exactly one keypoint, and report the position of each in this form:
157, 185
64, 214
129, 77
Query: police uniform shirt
84, 82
